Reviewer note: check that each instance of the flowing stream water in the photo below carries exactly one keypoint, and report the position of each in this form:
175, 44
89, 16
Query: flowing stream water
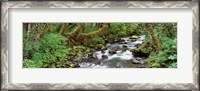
122, 58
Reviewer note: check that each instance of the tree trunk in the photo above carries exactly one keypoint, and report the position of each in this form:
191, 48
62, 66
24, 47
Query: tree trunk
63, 29
28, 29
44, 30
154, 38
37, 32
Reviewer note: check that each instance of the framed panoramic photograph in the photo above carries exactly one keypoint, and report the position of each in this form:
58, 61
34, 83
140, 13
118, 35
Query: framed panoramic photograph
100, 45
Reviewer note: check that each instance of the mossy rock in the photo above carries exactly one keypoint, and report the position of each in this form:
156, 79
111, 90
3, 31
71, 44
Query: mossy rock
68, 62
72, 65
53, 65
59, 66
104, 56
88, 50
155, 65
134, 37
45, 65
139, 53
112, 51
92, 57
79, 54
76, 65
124, 46
138, 45
58, 62
103, 48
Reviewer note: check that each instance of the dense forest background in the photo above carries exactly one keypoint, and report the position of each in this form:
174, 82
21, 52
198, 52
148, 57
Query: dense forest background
57, 45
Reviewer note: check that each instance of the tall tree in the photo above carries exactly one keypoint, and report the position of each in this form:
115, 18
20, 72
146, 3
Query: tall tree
28, 29
156, 43
37, 31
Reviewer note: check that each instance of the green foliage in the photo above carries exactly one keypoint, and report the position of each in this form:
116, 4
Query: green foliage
32, 64
121, 34
51, 48
53, 27
89, 28
96, 41
131, 28
117, 29
138, 28
167, 56
71, 27
156, 65
172, 57
173, 65
78, 51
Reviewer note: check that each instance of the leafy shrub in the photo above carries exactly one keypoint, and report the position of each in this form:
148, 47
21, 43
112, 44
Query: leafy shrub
32, 64
79, 51
51, 48
117, 29
96, 41
167, 56
173, 65
89, 28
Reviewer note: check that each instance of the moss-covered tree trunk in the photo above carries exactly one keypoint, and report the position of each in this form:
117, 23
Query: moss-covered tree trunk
63, 29
28, 29
156, 43
44, 30
77, 36
37, 32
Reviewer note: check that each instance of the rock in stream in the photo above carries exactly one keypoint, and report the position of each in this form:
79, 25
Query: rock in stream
118, 55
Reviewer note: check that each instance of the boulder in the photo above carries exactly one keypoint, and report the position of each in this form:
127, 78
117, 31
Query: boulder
133, 40
119, 40
103, 51
112, 51
72, 65
138, 45
124, 49
103, 48
124, 46
134, 61
155, 65
123, 42
116, 48
104, 56
76, 65
139, 53
134, 37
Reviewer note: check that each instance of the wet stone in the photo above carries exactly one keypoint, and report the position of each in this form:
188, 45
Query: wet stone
125, 46
134, 37
133, 40
112, 51
142, 66
103, 51
124, 49
135, 61
104, 56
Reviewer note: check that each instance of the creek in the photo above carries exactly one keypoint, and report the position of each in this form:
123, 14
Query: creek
118, 55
